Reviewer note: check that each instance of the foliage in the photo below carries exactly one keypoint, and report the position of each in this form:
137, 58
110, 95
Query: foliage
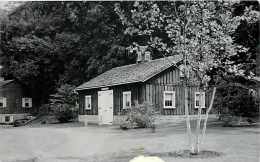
66, 116
237, 101
140, 116
63, 103
48, 44
201, 31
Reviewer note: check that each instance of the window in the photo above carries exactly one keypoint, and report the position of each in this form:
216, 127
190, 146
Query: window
126, 99
197, 100
3, 102
169, 99
27, 102
8, 119
88, 102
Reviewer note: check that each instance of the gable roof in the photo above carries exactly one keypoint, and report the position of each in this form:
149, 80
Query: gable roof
139, 72
4, 82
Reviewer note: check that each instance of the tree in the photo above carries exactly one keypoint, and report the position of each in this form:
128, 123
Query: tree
199, 31
48, 44
63, 103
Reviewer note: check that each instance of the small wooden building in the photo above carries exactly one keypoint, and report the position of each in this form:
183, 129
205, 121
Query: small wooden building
15, 102
104, 98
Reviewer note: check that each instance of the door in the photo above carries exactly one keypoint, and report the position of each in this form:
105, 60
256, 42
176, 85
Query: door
105, 107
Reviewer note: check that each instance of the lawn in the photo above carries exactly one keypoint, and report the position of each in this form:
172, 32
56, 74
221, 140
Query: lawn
110, 144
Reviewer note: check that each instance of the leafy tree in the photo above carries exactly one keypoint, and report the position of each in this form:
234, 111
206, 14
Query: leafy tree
48, 44
199, 31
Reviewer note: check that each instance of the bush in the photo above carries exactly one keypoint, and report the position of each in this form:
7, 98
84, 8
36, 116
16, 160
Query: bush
140, 116
237, 101
63, 104
66, 116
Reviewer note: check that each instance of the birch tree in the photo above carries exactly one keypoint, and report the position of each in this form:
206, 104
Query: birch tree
200, 31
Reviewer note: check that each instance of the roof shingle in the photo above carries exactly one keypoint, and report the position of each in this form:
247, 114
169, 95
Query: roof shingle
133, 73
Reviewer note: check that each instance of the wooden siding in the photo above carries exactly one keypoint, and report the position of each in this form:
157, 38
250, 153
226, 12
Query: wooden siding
14, 93
94, 102
169, 80
151, 91
117, 97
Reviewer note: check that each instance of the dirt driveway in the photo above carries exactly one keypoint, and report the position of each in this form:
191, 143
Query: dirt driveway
110, 144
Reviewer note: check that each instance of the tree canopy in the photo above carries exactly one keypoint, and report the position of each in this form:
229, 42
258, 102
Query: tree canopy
48, 44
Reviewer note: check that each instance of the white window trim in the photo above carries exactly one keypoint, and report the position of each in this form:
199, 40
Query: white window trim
4, 100
124, 101
11, 119
173, 101
86, 107
203, 99
24, 102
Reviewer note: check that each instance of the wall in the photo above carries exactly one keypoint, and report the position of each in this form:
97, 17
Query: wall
14, 92
170, 80
151, 91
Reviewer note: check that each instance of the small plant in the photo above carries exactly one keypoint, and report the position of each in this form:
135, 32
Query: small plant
65, 116
140, 116
63, 104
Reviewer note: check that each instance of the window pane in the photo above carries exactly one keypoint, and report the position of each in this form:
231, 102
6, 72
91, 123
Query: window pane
197, 103
168, 103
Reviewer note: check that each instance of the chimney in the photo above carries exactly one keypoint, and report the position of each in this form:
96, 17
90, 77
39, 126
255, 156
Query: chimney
143, 55
147, 56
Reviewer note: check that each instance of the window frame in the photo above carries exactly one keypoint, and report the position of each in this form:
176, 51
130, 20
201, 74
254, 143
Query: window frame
4, 102
124, 99
90, 102
27, 100
173, 99
203, 100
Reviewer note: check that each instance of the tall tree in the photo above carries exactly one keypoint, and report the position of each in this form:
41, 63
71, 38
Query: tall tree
48, 44
199, 31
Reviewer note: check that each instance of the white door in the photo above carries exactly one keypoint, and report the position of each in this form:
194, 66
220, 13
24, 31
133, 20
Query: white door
105, 107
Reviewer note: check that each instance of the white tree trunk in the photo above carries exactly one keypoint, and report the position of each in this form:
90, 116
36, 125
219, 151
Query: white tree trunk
189, 134
197, 142
207, 114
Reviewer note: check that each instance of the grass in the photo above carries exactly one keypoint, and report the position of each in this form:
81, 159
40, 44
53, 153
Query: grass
110, 144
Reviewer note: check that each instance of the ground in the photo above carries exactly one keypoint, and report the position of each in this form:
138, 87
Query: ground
110, 144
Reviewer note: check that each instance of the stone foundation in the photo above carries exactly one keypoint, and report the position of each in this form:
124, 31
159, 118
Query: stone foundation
93, 119
89, 119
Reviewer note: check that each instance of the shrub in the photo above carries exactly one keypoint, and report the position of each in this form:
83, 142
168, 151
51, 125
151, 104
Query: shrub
237, 101
63, 104
140, 116
66, 116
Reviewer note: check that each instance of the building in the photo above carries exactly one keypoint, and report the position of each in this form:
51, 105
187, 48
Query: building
15, 102
105, 98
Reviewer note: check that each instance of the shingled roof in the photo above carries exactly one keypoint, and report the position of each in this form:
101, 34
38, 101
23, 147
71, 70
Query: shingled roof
139, 72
